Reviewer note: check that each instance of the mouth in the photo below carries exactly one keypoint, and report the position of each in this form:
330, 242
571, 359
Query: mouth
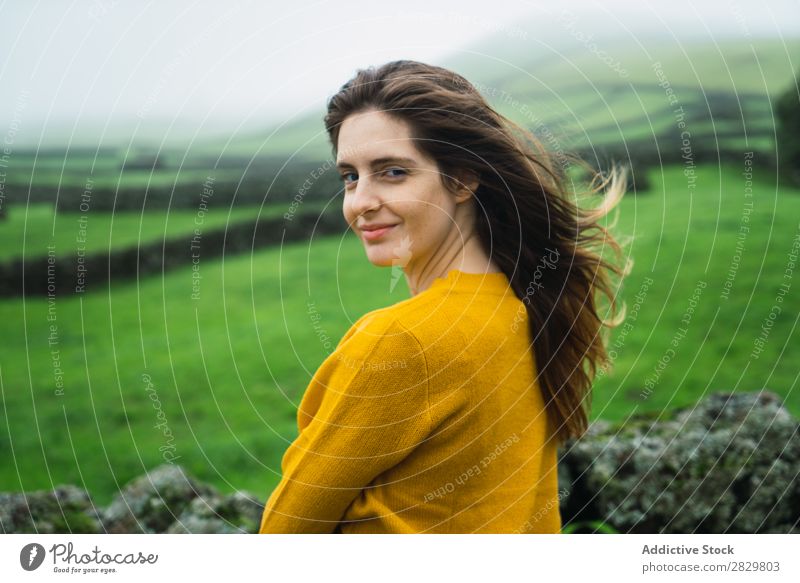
372, 234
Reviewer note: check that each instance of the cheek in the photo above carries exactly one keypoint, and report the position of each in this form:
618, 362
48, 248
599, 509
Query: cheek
425, 222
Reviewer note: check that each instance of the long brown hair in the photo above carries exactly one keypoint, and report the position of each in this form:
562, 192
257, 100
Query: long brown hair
526, 218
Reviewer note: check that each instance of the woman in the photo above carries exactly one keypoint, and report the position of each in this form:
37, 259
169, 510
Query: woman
443, 412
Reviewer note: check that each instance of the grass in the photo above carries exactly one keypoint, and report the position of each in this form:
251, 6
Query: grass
229, 369
680, 240
33, 228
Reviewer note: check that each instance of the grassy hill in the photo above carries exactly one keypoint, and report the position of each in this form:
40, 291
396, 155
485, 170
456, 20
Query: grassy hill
562, 86
724, 85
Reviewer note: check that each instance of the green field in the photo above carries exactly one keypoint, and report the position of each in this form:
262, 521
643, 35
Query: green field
680, 240
229, 369
29, 230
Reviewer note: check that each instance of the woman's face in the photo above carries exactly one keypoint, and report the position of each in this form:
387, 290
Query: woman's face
394, 198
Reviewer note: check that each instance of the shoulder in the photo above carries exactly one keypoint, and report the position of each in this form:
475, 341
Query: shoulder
379, 342
416, 334
381, 331
424, 321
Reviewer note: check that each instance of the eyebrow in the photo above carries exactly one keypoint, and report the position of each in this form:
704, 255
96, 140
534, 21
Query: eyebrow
379, 161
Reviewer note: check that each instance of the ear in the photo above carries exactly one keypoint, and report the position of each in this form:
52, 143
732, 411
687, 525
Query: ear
468, 184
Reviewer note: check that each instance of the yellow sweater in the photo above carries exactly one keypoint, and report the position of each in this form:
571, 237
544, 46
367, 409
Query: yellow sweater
427, 418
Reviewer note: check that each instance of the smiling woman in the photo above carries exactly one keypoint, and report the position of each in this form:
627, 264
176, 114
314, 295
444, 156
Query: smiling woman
494, 353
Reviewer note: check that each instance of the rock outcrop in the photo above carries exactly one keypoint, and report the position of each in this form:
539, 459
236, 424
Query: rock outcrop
165, 500
727, 465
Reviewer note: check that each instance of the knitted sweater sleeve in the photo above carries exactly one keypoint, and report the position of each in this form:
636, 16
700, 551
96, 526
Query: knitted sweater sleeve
364, 411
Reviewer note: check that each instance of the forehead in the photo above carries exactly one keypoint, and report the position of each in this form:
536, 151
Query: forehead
370, 135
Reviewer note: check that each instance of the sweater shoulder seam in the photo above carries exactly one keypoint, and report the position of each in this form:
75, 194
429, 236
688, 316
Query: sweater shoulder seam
427, 372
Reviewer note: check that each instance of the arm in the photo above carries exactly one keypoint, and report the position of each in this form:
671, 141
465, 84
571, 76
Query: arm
364, 411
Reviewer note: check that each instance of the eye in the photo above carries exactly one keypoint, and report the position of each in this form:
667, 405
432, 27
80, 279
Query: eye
400, 170
346, 174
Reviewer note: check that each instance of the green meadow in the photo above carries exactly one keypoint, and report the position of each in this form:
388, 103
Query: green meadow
216, 381
29, 230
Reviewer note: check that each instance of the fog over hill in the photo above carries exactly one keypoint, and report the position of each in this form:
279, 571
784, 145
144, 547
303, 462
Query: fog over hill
117, 74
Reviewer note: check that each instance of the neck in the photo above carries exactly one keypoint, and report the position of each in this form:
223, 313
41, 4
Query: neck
468, 256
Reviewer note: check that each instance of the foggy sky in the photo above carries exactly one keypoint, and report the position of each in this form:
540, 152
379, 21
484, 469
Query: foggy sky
106, 62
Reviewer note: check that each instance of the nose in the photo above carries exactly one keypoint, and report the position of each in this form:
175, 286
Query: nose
364, 197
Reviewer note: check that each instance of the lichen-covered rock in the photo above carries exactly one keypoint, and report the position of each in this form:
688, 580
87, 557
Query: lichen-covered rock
728, 465
238, 513
165, 499
66, 509
152, 502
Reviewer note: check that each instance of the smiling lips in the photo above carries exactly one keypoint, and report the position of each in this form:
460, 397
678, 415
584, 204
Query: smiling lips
373, 232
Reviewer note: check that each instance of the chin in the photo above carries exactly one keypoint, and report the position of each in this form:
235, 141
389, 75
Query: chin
380, 259
381, 262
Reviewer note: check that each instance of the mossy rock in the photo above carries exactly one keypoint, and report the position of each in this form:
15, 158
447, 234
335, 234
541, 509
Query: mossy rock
728, 464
